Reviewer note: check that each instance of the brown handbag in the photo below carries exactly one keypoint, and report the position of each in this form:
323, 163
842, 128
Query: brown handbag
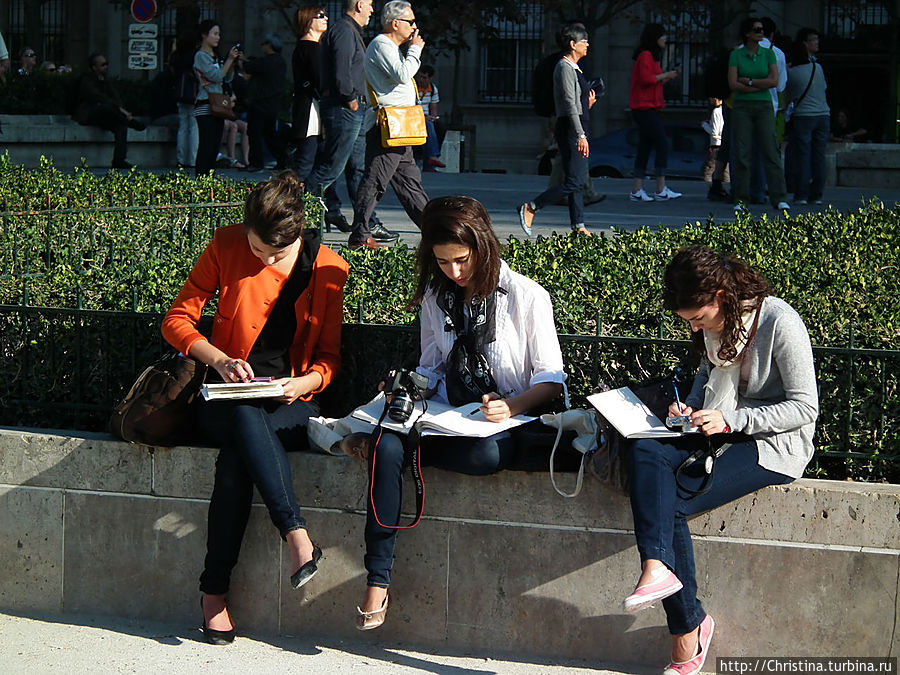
221, 105
157, 408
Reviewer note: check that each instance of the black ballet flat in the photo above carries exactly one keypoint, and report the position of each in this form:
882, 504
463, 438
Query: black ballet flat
308, 570
216, 637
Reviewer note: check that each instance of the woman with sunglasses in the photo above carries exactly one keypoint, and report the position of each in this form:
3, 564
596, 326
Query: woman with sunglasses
752, 72
755, 395
311, 24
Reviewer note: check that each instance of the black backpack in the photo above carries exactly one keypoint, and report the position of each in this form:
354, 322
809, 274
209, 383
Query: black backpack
542, 85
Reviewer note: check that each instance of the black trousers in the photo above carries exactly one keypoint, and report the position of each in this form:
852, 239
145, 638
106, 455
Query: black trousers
262, 128
394, 166
108, 116
210, 130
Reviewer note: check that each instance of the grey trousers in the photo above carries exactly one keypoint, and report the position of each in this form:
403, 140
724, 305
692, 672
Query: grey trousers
394, 166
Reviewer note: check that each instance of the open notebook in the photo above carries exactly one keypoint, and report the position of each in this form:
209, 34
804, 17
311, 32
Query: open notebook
630, 415
234, 390
441, 419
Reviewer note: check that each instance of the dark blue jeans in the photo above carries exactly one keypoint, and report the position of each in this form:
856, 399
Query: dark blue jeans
304, 157
661, 509
343, 148
253, 437
651, 136
574, 170
809, 136
472, 456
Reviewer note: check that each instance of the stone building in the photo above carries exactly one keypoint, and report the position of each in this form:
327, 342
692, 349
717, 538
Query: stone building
486, 89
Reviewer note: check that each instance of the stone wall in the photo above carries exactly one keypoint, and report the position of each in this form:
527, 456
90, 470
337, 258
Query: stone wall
498, 564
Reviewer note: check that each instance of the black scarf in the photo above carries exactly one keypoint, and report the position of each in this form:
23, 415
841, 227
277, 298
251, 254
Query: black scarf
468, 374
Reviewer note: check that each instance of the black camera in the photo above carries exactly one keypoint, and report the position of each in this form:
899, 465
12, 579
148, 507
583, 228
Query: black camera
406, 386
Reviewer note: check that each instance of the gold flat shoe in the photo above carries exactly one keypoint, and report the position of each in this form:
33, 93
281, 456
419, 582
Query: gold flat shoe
373, 619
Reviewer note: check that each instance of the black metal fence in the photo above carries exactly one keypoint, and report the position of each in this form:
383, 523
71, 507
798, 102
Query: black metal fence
66, 368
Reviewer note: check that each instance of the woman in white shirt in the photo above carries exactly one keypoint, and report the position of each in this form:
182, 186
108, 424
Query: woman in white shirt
487, 334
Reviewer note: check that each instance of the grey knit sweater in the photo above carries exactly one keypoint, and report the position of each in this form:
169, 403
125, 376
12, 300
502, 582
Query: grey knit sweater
780, 403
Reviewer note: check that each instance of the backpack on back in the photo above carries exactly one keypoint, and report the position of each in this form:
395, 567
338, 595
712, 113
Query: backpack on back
542, 85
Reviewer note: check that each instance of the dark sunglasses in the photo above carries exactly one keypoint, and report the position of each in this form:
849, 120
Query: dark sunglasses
411, 22
321, 15
30, 54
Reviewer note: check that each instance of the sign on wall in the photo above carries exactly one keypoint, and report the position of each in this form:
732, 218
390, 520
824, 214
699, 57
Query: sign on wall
143, 10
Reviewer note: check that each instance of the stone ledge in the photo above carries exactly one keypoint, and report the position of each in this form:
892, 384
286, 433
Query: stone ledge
498, 563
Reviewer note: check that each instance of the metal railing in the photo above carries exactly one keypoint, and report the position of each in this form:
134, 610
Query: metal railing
66, 368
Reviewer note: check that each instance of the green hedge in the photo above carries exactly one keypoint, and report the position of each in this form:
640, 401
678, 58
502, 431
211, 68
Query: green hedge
839, 270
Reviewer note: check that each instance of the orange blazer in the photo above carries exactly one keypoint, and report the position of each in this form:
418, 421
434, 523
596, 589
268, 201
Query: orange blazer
247, 293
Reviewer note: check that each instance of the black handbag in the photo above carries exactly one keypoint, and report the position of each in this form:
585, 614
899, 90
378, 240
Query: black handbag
156, 410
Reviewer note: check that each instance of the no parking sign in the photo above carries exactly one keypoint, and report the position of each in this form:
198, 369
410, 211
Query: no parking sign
143, 10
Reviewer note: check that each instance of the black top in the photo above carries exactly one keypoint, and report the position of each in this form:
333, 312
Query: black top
305, 63
93, 91
270, 355
266, 83
343, 62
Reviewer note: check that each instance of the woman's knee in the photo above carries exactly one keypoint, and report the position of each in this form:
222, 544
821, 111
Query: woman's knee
388, 455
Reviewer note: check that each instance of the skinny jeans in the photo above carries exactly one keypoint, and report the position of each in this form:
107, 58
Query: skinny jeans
660, 508
472, 456
754, 124
253, 437
574, 171
188, 137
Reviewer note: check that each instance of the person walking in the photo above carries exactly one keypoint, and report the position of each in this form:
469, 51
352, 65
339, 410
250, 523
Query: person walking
344, 108
573, 98
645, 99
389, 73
752, 72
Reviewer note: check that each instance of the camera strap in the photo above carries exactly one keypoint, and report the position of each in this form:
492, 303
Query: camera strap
412, 456
707, 456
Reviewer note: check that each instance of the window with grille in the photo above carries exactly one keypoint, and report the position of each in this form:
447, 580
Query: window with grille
688, 44
167, 19
509, 55
867, 23
51, 29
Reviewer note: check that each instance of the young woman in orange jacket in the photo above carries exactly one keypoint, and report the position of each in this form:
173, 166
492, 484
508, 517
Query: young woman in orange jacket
279, 314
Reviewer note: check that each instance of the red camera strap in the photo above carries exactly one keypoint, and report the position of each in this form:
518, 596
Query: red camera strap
412, 455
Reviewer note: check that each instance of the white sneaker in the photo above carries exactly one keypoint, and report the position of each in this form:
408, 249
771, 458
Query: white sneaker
801, 201
783, 206
640, 196
666, 195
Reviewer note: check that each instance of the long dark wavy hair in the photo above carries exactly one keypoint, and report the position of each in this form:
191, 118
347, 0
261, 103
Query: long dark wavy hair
649, 38
694, 277
456, 220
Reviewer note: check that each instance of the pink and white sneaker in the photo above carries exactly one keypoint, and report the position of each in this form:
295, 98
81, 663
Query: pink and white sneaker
663, 584
695, 665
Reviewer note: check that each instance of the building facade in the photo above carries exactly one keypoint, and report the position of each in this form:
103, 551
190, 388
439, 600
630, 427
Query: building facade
485, 88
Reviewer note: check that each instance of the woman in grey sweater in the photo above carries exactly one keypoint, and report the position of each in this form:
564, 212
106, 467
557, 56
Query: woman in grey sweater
756, 394
810, 125
573, 98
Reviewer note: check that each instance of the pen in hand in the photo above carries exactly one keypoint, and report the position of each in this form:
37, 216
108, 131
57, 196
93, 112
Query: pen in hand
677, 398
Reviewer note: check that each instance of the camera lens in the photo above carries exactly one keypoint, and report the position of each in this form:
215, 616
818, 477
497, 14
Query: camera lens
401, 406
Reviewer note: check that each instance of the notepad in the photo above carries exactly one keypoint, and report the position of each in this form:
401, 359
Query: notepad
630, 415
235, 390
441, 419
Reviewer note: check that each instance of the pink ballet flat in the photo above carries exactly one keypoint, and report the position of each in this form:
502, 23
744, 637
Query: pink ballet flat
695, 665
664, 583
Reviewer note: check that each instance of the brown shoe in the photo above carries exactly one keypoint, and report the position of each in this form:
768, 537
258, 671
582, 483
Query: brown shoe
373, 619
369, 243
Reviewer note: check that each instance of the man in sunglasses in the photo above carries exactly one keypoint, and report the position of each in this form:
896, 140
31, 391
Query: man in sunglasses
392, 60
27, 61
99, 105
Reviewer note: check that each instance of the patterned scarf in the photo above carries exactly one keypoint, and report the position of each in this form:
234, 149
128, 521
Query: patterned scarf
468, 374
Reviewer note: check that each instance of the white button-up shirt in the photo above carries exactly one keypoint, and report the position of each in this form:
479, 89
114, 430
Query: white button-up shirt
525, 351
